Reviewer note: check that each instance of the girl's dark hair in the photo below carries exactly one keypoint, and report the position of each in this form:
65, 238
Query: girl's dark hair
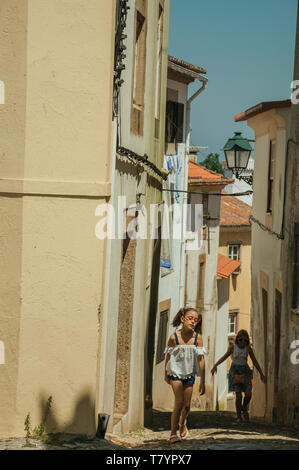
242, 333
182, 312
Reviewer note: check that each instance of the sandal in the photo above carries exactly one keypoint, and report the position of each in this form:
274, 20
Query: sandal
245, 415
174, 438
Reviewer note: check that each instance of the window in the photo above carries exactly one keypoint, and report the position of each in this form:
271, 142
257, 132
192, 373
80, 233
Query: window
139, 68
271, 176
174, 132
205, 203
233, 323
234, 251
158, 72
201, 281
265, 326
295, 301
162, 336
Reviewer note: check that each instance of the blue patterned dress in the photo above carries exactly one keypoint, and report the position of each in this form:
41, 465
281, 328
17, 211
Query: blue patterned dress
239, 366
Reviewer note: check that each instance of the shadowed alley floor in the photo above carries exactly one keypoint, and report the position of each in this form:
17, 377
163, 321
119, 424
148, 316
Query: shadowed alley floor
208, 430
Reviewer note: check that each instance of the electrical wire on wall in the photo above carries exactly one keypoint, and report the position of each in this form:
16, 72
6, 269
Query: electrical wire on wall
246, 193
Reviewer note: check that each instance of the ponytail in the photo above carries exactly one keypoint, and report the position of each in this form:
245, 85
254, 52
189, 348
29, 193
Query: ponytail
177, 319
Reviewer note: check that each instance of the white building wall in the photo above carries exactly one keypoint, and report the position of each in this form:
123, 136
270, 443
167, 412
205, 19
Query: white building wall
172, 281
221, 343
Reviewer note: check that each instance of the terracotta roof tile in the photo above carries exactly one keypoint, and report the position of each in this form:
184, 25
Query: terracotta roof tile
198, 173
234, 212
226, 266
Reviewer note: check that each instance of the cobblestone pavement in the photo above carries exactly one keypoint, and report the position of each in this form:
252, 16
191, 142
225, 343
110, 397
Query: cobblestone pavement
211, 430
208, 430
62, 442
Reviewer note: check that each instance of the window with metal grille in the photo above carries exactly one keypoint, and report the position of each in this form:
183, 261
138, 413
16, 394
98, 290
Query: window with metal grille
162, 336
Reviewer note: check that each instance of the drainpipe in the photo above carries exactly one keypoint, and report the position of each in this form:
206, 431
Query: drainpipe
185, 183
188, 111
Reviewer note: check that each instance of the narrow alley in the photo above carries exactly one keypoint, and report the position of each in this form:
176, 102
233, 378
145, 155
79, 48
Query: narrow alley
211, 430
208, 430
149, 208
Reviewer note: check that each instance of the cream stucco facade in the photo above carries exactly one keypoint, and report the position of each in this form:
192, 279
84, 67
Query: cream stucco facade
239, 289
266, 253
56, 167
240, 282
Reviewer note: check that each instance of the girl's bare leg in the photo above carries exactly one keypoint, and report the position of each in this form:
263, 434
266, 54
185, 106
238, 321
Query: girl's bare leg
239, 405
188, 390
246, 402
178, 390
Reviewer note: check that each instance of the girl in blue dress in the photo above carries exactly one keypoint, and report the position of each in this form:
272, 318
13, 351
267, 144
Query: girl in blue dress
240, 374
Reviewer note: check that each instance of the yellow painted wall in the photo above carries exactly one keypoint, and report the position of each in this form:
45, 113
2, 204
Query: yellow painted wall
240, 284
56, 60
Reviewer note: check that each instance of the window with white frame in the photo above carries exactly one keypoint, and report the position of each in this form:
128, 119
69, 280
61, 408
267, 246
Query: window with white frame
234, 250
233, 323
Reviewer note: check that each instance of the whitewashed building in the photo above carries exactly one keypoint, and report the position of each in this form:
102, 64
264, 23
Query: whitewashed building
172, 273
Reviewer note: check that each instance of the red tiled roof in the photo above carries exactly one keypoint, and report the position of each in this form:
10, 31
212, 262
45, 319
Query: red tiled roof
226, 266
198, 174
234, 212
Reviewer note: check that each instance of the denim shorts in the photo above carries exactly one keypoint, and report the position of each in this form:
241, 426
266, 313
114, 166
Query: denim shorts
189, 381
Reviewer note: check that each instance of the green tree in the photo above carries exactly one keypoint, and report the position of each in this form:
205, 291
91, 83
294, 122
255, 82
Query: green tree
212, 162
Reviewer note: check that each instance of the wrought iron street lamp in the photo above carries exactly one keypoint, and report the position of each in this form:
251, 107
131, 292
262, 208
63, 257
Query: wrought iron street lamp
237, 151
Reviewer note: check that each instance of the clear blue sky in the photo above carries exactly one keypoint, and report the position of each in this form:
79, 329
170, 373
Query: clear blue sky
247, 47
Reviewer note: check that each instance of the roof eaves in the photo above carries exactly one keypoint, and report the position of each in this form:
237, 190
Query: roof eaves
187, 72
205, 181
261, 108
187, 65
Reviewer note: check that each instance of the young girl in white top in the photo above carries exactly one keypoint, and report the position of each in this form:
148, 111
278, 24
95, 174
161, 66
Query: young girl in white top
184, 360
240, 375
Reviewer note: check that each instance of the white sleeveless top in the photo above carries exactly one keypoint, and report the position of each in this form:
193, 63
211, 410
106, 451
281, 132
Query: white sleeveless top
240, 355
183, 361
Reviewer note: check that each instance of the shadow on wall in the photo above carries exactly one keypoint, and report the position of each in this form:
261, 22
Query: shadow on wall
82, 421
